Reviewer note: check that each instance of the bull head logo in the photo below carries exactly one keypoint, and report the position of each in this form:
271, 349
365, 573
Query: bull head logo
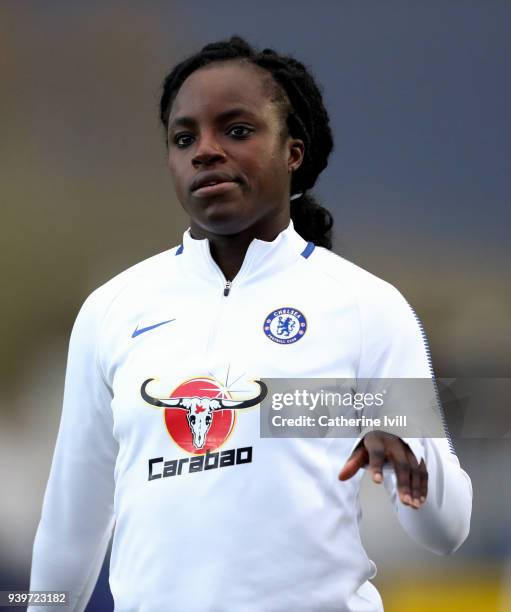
200, 410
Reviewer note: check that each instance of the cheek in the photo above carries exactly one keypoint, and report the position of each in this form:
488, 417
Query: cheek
173, 169
274, 171
171, 165
263, 168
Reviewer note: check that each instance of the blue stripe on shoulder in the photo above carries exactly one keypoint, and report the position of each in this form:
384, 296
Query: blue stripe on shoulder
179, 250
308, 249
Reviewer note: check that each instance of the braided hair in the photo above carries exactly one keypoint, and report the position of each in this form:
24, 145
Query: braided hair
292, 88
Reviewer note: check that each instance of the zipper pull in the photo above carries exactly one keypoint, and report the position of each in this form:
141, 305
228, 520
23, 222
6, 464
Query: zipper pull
227, 288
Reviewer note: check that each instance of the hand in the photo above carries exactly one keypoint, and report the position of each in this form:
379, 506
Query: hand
378, 447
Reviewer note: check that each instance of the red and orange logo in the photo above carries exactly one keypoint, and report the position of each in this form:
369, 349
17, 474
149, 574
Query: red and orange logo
200, 413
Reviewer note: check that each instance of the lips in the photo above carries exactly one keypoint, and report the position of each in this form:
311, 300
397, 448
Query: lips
211, 178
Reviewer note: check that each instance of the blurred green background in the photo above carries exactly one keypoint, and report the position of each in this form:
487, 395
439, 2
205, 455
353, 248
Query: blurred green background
419, 98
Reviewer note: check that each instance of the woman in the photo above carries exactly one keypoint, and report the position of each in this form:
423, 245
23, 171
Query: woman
208, 515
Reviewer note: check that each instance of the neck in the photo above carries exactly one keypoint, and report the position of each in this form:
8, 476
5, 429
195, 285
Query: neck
228, 251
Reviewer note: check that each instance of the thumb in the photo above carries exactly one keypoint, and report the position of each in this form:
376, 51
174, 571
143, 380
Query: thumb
358, 458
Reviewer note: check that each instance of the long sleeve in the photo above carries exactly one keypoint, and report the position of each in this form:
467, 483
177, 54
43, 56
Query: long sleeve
442, 524
77, 514
394, 346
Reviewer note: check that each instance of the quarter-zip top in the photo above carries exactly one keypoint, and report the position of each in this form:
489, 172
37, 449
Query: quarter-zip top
160, 437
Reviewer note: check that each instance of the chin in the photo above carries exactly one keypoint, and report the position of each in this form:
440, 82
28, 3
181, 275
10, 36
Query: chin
223, 218
224, 225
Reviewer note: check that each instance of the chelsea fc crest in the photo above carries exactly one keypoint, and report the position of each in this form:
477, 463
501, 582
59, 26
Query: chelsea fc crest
285, 325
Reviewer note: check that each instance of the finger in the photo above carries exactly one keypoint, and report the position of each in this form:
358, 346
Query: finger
401, 465
424, 481
376, 449
357, 459
415, 479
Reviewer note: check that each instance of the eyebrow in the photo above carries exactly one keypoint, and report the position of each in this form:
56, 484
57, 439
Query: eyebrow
185, 121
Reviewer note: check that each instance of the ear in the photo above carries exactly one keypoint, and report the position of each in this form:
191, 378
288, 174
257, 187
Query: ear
296, 151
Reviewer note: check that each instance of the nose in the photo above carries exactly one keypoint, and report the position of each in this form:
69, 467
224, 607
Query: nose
208, 151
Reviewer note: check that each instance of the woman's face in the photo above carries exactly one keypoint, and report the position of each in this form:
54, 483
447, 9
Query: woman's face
246, 145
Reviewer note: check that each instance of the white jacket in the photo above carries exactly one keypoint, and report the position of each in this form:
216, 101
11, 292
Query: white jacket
269, 528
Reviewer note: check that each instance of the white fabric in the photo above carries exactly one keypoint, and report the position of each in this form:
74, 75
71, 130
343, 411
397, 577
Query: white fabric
279, 533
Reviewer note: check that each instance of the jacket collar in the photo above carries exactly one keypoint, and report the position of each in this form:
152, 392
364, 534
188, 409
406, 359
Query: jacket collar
261, 258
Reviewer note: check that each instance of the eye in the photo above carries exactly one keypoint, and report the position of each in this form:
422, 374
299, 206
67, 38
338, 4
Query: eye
177, 138
241, 127
192, 419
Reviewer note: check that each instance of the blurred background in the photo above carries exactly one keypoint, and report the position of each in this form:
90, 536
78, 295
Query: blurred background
419, 97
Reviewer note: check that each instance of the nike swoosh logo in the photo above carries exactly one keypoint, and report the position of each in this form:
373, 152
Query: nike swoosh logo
137, 331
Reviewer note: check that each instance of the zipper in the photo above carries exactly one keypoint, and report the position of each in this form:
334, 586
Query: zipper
226, 291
